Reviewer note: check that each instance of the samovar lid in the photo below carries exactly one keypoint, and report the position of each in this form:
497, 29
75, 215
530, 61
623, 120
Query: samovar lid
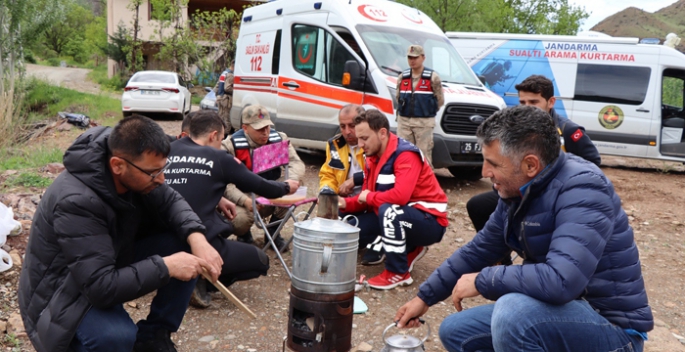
326, 226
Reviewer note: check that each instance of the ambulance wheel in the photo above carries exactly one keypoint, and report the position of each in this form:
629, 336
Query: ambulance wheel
468, 173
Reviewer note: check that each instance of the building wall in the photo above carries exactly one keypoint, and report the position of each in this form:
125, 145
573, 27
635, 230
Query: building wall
117, 12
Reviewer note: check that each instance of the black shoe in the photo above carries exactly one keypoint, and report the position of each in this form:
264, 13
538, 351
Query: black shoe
160, 343
372, 257
280, 244
200, 298
246, 238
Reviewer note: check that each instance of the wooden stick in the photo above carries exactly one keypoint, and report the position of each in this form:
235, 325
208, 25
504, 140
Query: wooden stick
231, 297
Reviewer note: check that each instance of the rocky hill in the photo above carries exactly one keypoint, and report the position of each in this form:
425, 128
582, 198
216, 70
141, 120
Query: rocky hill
634, 22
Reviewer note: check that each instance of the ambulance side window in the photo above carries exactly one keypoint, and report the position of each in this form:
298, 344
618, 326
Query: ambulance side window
307, 51
276, 61
337, 55
612, 84
672, 89
316, 53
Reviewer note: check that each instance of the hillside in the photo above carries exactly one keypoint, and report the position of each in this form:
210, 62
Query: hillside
634, 22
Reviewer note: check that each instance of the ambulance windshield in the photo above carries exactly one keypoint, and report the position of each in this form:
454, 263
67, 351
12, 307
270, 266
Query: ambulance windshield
388, 46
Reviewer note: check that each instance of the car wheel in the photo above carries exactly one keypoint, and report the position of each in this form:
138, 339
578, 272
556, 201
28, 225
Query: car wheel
468, 173
127, 113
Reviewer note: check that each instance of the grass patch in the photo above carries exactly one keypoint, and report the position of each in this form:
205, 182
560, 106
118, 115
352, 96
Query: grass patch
29, 158
11, 342
99, 76
195, 100
44, 100
28, 179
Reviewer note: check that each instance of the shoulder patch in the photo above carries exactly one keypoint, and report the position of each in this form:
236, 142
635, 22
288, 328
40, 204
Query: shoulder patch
577, 135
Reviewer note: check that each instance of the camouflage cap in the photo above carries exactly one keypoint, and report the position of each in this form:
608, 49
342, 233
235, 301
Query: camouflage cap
415, 51
256, 116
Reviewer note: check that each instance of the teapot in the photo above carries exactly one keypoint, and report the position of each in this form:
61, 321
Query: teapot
404, 342
328, 204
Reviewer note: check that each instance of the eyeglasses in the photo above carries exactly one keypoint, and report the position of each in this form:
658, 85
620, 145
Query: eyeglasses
152, 175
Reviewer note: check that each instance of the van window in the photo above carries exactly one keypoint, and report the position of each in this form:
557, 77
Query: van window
316, 53
612, 84
672, 93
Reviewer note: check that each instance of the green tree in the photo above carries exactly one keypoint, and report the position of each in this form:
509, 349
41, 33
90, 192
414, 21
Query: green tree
115, 48
134, 47
206, 41
71, 29
95, 38
21, 22
503, 16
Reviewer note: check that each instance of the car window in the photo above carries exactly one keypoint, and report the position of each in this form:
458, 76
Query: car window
181, 81
153, 77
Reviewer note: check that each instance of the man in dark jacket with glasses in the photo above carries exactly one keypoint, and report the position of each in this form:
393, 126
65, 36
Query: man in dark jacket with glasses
90, 248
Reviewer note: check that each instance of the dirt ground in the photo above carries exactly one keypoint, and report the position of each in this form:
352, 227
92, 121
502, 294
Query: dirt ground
652, 195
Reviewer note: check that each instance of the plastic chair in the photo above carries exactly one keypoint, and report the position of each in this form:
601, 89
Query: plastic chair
266, 158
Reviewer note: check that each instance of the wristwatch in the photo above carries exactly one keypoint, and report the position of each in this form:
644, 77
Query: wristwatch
287, 187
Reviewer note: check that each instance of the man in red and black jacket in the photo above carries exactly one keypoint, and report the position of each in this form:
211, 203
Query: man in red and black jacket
400, 195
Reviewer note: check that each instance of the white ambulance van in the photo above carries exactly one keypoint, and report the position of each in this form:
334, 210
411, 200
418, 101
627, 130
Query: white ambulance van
291, 56
627, 95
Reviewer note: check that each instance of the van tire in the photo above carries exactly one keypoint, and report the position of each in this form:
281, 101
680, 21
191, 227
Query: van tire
468, 173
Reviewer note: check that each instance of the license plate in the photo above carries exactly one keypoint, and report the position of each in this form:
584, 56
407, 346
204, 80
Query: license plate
149, 92
470, 147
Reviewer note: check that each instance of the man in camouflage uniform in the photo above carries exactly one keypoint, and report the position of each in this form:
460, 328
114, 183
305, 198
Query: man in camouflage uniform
224, 96
257, 130
419, 94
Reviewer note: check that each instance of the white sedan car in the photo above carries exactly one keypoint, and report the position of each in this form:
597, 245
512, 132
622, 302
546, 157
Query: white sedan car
156, 91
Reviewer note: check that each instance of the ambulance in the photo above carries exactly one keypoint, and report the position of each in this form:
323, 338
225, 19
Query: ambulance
628, 95
305, 59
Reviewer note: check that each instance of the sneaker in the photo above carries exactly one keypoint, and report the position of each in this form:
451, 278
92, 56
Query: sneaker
387, 280
415, 255
200, 297
246, 238
373, 257
160, 343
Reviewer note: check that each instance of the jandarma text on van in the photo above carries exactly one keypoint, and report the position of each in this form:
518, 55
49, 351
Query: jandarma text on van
571, 46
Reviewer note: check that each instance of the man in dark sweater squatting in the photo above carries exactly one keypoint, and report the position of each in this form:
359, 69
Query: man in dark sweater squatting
200, 171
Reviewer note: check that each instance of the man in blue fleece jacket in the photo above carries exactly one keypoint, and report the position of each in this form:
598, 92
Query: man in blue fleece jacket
580, 287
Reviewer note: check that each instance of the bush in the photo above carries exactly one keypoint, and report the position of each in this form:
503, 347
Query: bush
53, 61
28, 57
77, 50
99, 76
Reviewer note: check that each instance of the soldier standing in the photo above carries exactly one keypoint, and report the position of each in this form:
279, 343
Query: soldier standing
224, 96
419, 93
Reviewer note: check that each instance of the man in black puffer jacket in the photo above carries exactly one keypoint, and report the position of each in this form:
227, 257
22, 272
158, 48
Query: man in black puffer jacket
84, 260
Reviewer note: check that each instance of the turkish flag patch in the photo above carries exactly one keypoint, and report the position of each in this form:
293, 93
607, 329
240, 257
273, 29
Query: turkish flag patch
577, 135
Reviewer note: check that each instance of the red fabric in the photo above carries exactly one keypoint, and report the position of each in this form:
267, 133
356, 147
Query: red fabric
423, 86
414, 182
244, 156
577, 135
